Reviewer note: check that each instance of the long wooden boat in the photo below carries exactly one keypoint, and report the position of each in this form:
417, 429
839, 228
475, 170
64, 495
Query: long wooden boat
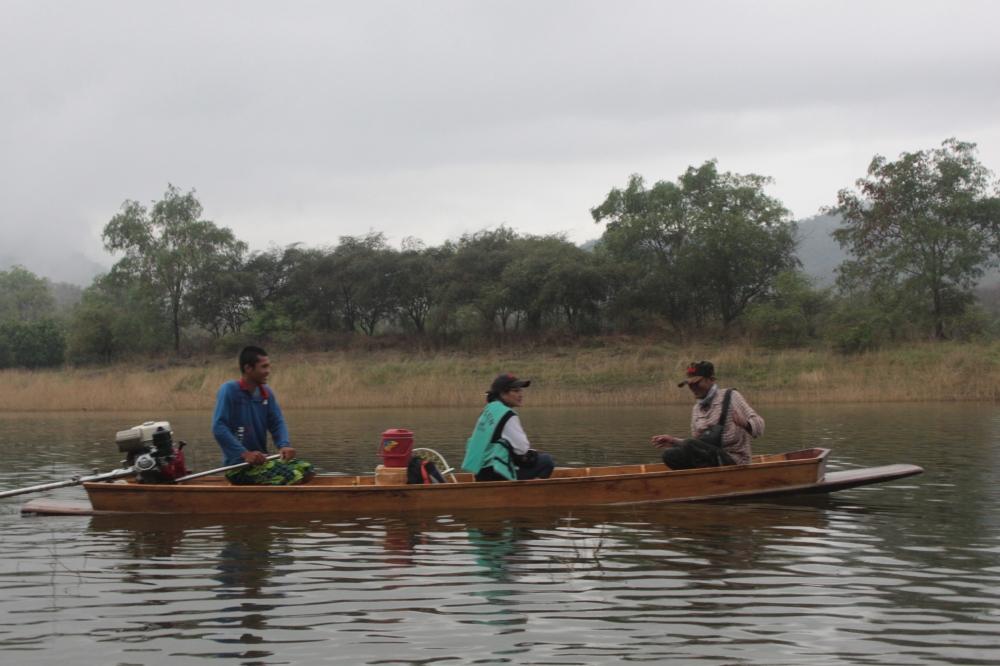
767, 475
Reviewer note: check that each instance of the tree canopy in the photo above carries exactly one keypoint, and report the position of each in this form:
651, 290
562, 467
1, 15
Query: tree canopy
703, 247
24, 296
707, 253
170, 250
925, 224
31, 336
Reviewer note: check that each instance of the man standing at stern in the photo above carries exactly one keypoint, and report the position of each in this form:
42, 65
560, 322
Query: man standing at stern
245, 411
722, 425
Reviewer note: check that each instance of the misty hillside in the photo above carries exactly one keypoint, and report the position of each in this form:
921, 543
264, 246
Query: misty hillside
55, 265
819, 253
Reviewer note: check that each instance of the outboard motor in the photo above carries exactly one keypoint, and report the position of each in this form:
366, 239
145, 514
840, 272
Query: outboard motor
149, 449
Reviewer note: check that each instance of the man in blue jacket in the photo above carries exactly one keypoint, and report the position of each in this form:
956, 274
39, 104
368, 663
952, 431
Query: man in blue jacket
245, 411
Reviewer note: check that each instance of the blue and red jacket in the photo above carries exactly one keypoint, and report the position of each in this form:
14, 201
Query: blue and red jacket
242, 419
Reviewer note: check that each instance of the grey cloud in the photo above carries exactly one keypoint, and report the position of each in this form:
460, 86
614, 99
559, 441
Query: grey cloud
434, 118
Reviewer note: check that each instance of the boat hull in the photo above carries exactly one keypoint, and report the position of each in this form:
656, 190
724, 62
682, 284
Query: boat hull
569, 487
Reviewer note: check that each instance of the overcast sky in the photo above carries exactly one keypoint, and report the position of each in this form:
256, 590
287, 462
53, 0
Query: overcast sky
307, 121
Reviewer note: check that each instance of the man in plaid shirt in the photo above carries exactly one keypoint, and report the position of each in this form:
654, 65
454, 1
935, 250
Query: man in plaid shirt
742, 424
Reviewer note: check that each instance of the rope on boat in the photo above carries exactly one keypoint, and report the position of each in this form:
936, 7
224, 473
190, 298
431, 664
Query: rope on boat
438, 459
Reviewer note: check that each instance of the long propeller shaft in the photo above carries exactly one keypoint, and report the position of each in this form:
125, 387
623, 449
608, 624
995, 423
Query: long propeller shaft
75, 481
117, 474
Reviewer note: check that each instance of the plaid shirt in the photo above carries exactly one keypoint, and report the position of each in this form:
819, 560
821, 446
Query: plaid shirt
742, 423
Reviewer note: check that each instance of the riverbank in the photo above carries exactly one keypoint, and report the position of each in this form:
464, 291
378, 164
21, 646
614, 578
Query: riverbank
616, 373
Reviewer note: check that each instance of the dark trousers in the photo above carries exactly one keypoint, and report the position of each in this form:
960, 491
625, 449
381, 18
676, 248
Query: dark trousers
541, 469
692, 453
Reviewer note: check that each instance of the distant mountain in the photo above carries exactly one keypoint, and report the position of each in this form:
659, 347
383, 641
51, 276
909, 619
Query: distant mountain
819, 253
72, 267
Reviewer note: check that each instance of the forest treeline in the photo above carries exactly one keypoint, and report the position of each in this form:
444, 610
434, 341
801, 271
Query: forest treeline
708, 254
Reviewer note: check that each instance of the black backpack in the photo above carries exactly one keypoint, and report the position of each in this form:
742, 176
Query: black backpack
422, 471
713, 434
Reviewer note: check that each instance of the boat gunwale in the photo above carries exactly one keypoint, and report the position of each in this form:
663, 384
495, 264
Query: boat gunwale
816, 460
831, 482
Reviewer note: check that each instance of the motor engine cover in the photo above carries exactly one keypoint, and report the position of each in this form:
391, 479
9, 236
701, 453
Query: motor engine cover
138, 438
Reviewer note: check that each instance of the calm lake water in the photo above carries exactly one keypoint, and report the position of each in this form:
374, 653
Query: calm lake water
900, 573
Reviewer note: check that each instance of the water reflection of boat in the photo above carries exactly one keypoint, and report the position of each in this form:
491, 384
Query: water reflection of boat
507, 547
502, 547
243, 553
769, 475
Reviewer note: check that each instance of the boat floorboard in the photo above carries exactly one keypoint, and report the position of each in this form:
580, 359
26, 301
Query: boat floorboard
52, 507
851, 478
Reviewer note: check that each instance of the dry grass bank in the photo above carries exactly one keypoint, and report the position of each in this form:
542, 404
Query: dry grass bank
615, 374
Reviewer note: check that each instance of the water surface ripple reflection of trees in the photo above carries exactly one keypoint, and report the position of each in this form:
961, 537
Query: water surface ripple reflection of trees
901, 573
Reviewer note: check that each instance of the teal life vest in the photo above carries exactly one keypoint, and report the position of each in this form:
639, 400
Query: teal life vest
485, 447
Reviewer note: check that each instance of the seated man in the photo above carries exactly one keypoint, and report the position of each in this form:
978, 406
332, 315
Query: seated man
498, 449
711, 446
245, 411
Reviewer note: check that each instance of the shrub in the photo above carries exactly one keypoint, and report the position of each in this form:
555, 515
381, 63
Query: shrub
37, 344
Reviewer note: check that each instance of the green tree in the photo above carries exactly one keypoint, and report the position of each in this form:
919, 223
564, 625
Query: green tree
365, 271
419, 282
551, 281
94, 332
473, 276
741, 241
169, 249
576, 286
115, 319
792, 313
278, 290
308, 292
24, 297
221, 295
925, 224
30, 336
707, 245
641, 295
271, 272
643, 237
31, 344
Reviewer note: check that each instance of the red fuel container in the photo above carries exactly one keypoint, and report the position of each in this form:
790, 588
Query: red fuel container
396, 447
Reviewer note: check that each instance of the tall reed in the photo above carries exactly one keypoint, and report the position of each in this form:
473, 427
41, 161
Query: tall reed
616, 374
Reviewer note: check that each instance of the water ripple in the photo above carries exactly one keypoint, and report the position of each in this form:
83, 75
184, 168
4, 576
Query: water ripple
907, 573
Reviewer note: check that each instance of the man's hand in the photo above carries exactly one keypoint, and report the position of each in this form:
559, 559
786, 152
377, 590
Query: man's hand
254, 457
287, 453
663, 441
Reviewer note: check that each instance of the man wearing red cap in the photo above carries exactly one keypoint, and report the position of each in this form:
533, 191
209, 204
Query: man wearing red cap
722, 425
